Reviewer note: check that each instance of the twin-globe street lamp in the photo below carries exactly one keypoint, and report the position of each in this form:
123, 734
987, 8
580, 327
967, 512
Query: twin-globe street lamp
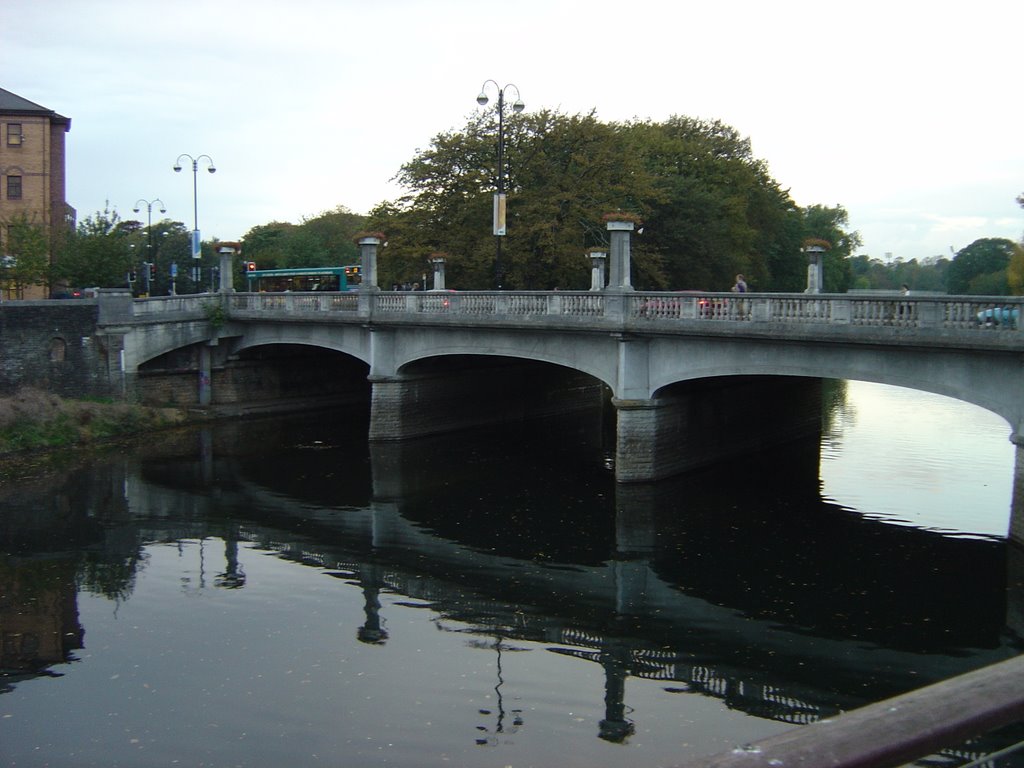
147, 265
197, 251
499, 198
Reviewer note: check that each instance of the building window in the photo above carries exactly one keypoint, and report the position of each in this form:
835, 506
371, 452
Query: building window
14, 187
14, 136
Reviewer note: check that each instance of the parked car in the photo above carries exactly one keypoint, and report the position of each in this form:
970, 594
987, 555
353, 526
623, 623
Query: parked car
999, 316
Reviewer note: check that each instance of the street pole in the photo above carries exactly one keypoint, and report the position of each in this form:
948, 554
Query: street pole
149, 233
499, 199
197, 251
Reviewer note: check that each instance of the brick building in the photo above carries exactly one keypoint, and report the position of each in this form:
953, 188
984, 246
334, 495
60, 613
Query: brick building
32, 176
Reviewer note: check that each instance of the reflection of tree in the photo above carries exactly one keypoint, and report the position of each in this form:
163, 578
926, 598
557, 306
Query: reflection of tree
110, 574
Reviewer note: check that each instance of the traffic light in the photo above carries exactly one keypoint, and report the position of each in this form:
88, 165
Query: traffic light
250, 266
131, 276
152, 271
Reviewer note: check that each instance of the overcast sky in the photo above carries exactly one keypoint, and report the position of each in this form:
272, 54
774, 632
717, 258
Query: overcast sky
908, 114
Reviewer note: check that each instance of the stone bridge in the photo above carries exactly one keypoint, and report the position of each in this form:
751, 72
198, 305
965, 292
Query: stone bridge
681, 369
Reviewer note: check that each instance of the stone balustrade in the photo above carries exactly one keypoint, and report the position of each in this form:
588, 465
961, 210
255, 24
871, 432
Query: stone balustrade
799, 309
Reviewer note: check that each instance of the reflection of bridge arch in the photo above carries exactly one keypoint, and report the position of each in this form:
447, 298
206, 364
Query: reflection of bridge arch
613, 614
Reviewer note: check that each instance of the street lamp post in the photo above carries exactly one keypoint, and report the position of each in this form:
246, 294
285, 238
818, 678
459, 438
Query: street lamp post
149, 233
197, 251
499, 197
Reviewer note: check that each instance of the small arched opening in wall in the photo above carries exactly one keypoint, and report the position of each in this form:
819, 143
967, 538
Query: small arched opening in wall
58, 350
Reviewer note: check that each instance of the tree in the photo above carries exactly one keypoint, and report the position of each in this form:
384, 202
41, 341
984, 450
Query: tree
563, 173
26, 259
1015, 270
98, 253
981, 267
708, 208
319, 241
717, 212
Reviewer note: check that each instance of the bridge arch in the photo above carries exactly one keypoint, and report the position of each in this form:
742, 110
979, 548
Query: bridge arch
993, 385
593, 355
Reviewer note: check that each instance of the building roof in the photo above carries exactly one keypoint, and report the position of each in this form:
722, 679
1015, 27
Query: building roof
13, 104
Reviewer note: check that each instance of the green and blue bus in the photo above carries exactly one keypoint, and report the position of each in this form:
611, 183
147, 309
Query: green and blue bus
302, 279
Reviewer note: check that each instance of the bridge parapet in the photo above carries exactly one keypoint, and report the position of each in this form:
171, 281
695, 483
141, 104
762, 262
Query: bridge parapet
947, 312
174, 308
987, 314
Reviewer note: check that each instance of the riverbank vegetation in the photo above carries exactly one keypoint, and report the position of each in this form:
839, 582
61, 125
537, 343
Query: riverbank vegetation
33, 420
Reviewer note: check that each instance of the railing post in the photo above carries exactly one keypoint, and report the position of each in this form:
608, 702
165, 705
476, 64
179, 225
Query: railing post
554, 304
842, 312
616, 306
760, 310
929, 314
115, 305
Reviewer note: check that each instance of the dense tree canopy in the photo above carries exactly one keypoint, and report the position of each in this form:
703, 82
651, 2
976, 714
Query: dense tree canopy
709, 208
98, 253
927, 275
1015, 270
319, 241
981, 267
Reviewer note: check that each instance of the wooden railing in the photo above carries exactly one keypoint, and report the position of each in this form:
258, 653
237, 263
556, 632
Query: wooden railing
896, 731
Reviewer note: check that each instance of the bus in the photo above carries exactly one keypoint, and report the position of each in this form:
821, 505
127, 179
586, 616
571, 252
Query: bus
303, 279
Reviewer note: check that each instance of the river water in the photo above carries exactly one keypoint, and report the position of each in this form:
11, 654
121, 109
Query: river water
276, 592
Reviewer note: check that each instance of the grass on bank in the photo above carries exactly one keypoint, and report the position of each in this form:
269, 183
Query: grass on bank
33, 420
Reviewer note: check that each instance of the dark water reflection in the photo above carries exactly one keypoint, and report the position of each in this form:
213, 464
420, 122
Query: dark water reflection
274, 592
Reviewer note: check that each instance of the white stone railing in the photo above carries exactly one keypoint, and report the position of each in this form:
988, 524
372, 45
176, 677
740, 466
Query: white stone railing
294, 302
988, 313
176, 306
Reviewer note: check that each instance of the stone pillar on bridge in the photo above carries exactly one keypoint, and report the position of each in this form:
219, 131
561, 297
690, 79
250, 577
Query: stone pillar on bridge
437, 261
695, 424
368, 243
205, 375
227, 252
815, 266
598, 257
619, 226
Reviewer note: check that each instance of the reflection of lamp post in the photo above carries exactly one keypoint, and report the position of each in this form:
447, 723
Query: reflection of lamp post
196, 249
149, 233
499, 198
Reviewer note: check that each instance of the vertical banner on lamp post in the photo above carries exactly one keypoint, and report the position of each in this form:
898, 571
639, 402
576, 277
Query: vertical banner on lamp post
499, 213
197, 250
